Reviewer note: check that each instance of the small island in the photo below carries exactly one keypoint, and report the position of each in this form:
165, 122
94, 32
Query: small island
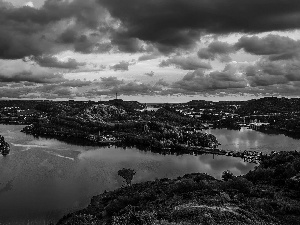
121, 123
4, 146
165, 130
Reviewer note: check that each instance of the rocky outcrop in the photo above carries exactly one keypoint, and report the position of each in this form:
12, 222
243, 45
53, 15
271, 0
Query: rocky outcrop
4, 146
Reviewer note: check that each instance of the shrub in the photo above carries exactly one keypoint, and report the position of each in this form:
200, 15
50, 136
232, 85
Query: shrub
260, 175
238, 183
296, 165
227, 175
127, 174
293, 182
83, 219
132, 217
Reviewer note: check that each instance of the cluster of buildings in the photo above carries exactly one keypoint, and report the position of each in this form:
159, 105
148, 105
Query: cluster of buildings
16, 115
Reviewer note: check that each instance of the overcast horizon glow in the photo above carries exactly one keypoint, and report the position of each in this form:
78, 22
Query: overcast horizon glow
149, 50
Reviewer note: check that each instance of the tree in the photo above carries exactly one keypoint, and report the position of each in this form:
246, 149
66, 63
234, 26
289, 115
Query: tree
227, 175
127, 174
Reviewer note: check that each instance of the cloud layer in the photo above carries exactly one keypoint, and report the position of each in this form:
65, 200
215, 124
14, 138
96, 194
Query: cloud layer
56, 26
170, 24
156, 47
188, 63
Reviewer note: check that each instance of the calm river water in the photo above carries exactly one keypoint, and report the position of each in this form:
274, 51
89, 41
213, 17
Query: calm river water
42, 179
247, 139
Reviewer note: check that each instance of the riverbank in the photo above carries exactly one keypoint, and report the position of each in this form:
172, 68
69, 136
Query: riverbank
267, 195
147, 141
145, 135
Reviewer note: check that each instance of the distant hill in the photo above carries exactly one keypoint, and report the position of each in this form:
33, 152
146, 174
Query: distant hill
127, 105
269, 105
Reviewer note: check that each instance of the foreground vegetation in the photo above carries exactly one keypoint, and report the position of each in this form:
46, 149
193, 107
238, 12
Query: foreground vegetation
270, 194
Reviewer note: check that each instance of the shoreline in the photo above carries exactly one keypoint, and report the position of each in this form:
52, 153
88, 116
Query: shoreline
265, 195
247, 156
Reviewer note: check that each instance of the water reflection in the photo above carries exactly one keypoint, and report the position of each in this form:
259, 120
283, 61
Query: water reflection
42, 179
151, 165
247, 139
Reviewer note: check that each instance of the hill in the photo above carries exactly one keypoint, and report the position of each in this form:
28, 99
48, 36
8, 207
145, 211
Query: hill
268, 195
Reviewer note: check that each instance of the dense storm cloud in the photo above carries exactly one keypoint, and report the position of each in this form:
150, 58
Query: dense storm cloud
52, 61
215, 50
265, 72
109, 82
18, 71
76, 48
198, 81
153, 55
162, 83
178, 23
167, 24
31, 77
28, 31
189, 63
277, 47
134, 88
150, 74
75, 83
122, 66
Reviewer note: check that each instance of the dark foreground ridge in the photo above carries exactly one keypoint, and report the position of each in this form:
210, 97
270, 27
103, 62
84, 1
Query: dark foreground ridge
270, 194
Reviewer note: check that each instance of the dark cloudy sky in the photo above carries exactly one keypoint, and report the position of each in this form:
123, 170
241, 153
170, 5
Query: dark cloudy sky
149, 50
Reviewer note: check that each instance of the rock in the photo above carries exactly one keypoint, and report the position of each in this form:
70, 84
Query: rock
4, 146
225, 197
294, 182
